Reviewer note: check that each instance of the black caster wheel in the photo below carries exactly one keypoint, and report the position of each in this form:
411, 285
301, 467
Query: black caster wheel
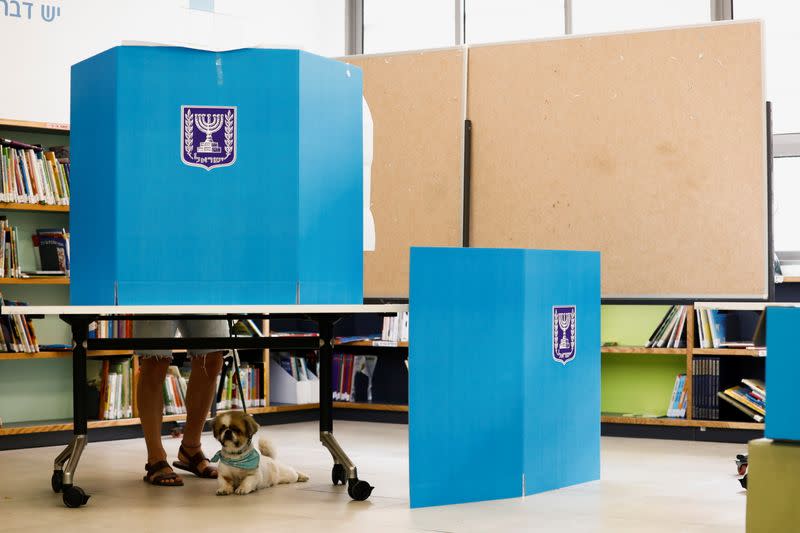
359, 490
338, 475
57, 481
74, 496
743, 482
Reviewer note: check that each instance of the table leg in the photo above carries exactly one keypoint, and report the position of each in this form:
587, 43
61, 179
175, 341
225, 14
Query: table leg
66, 462
343, 468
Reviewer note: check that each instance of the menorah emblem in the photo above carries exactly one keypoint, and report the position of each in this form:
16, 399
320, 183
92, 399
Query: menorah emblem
564, 333
208, 136
208, 124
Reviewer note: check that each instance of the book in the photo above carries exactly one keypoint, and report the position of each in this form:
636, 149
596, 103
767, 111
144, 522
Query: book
740, 395
746, 410
718, 326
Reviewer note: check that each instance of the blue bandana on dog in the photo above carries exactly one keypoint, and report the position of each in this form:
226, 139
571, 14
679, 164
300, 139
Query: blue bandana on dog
246, 462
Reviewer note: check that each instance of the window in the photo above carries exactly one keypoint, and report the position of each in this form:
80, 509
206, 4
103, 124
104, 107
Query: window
782, 39
391, 26
786, 195
488, 21
595, 16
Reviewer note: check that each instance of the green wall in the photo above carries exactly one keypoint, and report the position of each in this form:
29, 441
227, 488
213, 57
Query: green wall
636, 383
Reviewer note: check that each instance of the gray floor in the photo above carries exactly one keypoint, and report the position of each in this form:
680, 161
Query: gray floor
647, 485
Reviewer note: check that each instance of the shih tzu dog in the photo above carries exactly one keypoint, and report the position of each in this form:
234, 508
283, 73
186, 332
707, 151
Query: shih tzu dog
241, 468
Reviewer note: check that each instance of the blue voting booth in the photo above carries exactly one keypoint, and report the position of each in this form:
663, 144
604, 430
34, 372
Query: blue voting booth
215, 178
504, 369
783, 373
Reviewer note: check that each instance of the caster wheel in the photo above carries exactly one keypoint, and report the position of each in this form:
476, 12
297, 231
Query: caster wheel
338, 475
57, 481
743, 482
75, 497
742, 469
359, 490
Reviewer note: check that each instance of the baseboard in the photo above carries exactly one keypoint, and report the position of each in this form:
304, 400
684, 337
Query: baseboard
641, 431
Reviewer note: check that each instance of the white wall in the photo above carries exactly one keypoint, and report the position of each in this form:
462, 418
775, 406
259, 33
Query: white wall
38, 53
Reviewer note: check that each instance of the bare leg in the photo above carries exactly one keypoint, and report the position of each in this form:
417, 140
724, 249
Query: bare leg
199, 395
150, 400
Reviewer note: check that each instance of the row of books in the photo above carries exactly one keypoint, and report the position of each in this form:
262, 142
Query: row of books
174, 391
395, 328
9, 253
111, 329
713, 331
115, 387
296, 366
670, 332
352, 377
51, 250
31, 175
705, 386
17, 333
677, 404
750, 398
252, 377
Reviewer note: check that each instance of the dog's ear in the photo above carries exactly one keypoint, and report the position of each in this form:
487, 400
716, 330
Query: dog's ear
251, 426
215, 425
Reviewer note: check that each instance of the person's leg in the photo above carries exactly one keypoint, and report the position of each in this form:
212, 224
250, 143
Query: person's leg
150, 396
150, 400
199, 395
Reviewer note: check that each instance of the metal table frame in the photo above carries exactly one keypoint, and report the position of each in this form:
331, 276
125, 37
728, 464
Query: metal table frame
79, 318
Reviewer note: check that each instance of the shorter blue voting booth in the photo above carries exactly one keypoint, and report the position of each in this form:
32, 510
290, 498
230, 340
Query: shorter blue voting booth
504, 369
783, 374
215, 178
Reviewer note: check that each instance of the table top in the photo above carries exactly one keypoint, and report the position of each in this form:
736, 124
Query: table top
222, 310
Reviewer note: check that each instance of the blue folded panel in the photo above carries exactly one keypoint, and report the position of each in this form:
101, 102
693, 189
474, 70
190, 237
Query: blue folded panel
215, 178
504, 362
783, 374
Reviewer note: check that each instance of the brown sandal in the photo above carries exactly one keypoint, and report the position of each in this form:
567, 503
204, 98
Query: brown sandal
161, 479
208, 472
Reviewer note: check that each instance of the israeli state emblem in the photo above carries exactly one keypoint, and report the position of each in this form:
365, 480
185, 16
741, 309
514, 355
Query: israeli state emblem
208, 136
564, 333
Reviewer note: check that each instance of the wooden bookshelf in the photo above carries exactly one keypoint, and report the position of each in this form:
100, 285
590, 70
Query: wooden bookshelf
14, 206
375, 344
34, 125
756, 352
642, 350
681, 422
371, 406
22, 428
50, 280
787, 279
59, 354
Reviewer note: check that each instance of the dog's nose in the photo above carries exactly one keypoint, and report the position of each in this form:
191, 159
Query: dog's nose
228, 435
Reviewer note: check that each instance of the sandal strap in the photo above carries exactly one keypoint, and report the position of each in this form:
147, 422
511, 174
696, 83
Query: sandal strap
155, 467
194, 460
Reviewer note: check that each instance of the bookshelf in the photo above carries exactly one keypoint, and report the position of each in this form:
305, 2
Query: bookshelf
35, 386
648, 365
54, 280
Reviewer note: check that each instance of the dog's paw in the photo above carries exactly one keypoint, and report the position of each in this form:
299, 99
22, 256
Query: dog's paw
301, 477
223, 492
241, 491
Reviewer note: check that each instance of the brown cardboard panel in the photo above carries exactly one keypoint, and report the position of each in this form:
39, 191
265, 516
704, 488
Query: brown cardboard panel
648, 146
417, 106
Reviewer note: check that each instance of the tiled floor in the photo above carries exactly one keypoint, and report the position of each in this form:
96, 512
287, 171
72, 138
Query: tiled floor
647, 485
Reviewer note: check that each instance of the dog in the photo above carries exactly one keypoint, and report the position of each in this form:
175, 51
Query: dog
241, 469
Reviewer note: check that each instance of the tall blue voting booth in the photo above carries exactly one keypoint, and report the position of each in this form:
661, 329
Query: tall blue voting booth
783, 373
504, 369
215, 178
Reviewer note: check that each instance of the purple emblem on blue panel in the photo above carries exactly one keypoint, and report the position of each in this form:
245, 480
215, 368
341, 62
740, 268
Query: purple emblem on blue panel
208, 136
564, 333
